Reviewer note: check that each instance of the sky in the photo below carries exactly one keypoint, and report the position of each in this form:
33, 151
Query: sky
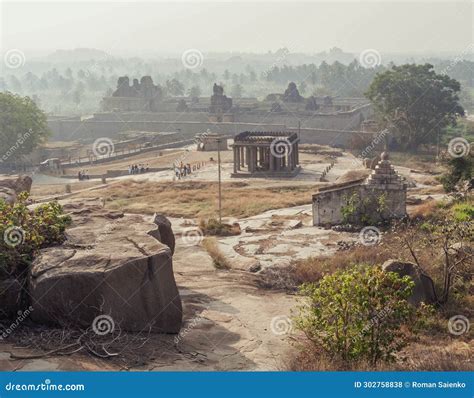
154, 27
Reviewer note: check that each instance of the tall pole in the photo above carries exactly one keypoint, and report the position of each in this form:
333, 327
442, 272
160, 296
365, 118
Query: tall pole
219, 172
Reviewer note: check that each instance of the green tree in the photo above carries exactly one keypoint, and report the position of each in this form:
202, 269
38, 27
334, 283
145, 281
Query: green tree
23, 125
459, 169
357, 314
417, 102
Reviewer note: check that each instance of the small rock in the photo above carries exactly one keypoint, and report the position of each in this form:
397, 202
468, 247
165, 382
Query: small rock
424, 288
413, 201
255, 267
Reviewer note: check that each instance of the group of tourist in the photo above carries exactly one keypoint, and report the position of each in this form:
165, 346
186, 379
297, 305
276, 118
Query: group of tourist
182, 170
83, 175
138, 168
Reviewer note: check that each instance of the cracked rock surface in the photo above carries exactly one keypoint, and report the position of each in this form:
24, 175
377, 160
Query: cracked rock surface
111, 264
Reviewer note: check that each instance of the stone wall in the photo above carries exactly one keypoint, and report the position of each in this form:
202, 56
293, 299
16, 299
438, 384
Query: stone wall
91, 129
380, 197
109, 124
350, 120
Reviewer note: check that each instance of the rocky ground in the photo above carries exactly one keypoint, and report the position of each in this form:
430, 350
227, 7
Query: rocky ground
230, 323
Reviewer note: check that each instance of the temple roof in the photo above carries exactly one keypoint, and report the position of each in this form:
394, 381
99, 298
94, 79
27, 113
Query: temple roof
264, 136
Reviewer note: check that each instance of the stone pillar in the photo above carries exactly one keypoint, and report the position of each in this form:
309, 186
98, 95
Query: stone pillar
236, 161
247, 157
237, 157
293, 157
297, 154
251, 161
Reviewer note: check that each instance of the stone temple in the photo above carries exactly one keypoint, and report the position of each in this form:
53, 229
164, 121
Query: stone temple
266, 154
381, 196
143, 96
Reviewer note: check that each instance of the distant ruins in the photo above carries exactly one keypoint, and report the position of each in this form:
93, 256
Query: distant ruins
266, 154
143, 96
380, 197
141, 106
220, 106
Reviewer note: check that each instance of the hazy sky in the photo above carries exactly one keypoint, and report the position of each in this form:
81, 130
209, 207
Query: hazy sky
161, 27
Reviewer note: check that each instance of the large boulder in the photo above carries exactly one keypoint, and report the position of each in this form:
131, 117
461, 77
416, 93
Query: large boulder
110, 265
165, 233
20, 184
424, 287
11, 187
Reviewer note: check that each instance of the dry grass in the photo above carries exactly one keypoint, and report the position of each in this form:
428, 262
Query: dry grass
199, 199
421, 161
424, 209
219, 260
39, 191
427, 354
313, 269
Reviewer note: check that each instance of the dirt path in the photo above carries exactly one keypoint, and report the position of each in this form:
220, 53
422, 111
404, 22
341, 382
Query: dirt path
230, 323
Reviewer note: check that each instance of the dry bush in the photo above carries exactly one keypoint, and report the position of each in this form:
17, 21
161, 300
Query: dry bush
425, 209
216, 228
425, 162
279, 278
429, 180
219, 260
